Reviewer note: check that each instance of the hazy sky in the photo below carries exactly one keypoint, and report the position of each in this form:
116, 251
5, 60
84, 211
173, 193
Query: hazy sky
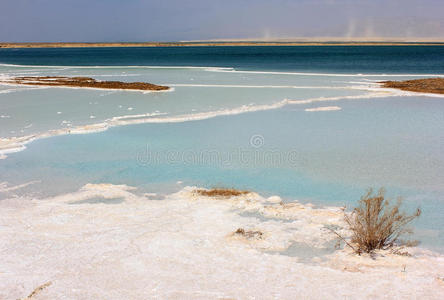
173, 20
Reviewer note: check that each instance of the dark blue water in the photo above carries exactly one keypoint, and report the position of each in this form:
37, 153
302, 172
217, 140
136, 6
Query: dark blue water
340, 59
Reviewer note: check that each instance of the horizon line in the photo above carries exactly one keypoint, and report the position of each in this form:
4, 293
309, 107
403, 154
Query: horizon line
235, 42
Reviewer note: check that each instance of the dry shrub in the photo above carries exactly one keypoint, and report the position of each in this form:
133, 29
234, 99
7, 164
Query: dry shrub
377, 223
221, 192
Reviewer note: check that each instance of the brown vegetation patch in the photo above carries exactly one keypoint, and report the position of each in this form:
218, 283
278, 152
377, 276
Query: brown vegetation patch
221, 192
428, 85
249, 234
85, 82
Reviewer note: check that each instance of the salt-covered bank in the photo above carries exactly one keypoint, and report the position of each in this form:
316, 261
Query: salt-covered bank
110, 242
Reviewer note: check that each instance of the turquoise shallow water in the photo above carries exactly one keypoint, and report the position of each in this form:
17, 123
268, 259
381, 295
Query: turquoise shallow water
235, 127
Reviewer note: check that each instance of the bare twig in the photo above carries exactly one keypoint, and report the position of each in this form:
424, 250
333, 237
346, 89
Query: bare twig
343, 239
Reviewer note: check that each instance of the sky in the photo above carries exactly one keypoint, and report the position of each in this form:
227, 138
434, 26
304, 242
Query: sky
177, 20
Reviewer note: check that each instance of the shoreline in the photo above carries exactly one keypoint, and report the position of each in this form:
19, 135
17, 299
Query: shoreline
5, 45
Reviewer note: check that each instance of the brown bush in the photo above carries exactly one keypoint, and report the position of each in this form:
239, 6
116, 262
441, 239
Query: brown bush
221, 192
377, 223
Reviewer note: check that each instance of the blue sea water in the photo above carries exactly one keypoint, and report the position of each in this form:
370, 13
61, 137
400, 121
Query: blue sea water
236, 118
344, 59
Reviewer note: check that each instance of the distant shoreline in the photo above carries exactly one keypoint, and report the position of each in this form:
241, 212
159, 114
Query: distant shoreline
214, 44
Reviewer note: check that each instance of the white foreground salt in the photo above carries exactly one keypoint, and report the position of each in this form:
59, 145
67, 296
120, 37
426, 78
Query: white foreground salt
107, 242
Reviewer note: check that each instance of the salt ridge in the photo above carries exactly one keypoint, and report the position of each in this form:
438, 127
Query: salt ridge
323, 108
